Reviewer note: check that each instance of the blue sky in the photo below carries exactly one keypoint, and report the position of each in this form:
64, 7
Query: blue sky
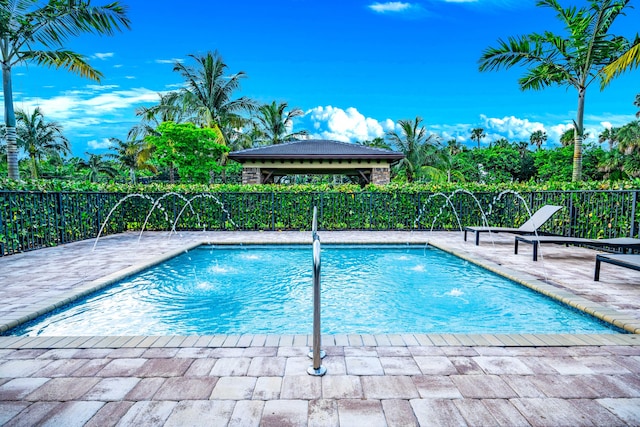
355, 67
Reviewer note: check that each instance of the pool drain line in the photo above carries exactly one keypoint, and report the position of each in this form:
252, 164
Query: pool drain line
316, 353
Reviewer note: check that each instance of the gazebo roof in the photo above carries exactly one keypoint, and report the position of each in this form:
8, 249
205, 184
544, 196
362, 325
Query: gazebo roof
315, 149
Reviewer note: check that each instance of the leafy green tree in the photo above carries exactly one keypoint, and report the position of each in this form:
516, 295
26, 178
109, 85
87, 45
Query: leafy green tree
39, 138
575, 60
502, 143
538, 138
95, 166
34, 31
193, 151
417, 145
134, 155
477, 134
275, 123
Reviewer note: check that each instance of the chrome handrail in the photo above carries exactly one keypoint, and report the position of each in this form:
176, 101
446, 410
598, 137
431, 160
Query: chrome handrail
316, 353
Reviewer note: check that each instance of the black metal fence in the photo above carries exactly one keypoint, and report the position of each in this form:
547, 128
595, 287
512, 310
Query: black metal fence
33, 220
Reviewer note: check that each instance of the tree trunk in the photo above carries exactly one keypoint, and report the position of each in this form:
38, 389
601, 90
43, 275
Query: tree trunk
10, 122
578, 135
34, 166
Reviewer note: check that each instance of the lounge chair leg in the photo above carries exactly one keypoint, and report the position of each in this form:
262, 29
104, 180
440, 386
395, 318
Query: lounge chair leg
515, 247
535, 251
596, 276
465, 235
477, 238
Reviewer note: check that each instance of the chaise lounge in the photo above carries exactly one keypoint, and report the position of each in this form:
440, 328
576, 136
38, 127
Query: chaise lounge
618, 243
536, 221
622, 260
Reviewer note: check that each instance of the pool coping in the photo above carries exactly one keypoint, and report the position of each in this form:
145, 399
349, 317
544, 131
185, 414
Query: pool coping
599, 311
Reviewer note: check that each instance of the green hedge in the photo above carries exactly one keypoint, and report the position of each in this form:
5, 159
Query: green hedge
40, 214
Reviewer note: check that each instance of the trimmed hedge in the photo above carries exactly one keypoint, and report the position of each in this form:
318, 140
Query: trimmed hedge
50, 216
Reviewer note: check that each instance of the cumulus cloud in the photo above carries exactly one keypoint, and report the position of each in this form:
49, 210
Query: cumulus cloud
394, 6
345, 125
512, 128
102, 144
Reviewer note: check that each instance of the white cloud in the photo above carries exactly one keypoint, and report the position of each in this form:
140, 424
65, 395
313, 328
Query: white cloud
82, 110
394, 6
102, 144
168, 61
101, 87
103, 56
130, 77
510, 127
345, 125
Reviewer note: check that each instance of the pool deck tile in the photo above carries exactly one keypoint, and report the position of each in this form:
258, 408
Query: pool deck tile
261, 380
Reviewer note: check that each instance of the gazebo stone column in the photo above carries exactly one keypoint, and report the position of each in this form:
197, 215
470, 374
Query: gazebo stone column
380, 176
251, 176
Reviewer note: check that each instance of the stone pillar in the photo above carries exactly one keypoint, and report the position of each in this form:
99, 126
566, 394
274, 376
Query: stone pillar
381, 176
251, 176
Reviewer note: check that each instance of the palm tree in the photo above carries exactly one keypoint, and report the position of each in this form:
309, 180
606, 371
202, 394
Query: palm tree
275, 124
416, 145
34, 31
477, 134
208, 94
575, 61
629, 137
538, 138
168, 109
609, 135
522, 147
627, 61
95, 166
208, 98
454, 147
134, 155
39, 138
376, 142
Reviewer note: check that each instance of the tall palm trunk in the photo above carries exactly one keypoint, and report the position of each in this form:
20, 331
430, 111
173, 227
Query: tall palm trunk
10, 122
578, 136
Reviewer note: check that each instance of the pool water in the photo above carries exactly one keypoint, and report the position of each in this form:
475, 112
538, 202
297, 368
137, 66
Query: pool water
269, 289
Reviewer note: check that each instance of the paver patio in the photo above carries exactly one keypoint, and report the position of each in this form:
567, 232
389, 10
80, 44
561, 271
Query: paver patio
406, 379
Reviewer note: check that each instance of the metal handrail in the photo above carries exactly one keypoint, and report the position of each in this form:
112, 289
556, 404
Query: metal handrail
316, 353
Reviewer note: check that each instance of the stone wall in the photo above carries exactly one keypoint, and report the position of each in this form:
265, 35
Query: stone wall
251, 176
380, 176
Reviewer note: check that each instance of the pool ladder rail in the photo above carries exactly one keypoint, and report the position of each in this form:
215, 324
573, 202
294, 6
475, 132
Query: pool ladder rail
316, 353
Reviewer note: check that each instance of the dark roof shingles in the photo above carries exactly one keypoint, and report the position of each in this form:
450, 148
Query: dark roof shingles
316, 148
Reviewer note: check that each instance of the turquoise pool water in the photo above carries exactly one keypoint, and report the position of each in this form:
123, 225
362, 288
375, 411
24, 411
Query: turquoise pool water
268, 290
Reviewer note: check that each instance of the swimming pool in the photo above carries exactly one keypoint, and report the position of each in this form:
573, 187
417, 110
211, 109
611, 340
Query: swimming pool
268, 290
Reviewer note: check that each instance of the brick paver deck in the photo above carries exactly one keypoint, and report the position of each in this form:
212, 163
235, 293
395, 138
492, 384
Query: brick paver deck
405, 379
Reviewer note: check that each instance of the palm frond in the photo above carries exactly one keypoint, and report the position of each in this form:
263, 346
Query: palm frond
71, 61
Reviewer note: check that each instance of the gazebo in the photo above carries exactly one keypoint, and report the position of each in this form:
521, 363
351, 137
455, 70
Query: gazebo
316, 156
